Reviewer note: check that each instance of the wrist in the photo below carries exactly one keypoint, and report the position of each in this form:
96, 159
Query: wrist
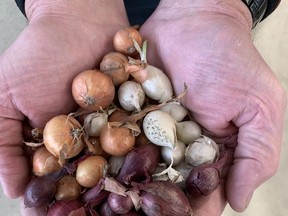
77, 9
235, 9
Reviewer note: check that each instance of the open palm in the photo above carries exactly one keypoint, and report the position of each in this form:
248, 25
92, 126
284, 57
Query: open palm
37, 70
232, 92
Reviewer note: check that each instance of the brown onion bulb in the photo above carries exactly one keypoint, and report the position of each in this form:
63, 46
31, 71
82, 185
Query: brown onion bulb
113, 64
91, 170
67, 188
141, 140
123, 41
44, 162
119, 116
93, 90
63, 137
116, 141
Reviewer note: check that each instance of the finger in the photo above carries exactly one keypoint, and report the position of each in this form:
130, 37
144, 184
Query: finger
211, 205
41, 211
14, 169
256, 157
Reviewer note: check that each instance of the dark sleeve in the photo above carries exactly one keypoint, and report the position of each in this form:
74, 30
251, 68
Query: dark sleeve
260, 9
139, 11
21, 6
272, 5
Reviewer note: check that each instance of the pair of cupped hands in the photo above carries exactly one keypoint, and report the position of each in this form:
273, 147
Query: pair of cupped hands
232, 92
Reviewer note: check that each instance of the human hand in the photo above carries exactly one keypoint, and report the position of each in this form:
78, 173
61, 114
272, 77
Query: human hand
232, 92
62, 39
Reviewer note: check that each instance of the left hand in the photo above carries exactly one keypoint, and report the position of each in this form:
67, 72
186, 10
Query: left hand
231, 90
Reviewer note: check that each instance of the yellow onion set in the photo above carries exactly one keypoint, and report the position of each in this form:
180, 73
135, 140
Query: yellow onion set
127, 118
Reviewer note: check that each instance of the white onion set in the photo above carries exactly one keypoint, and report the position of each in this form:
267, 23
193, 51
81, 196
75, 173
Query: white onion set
94, 122
128, 126
176, 110
160, 128
131, 96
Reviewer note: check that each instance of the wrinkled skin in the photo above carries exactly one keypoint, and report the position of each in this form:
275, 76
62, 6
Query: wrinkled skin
232, 91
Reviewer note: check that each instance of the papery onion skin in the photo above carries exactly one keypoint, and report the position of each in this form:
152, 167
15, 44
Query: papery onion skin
157, 86
67, 188
63, 208
105, 210
119, 116
123, 42
113, 64
39, 192
94, 147
120, 204
44, 162
131, 96
93, 90
139, 163
94, 122
164, 198
116, 141
205, 178
96, 195
115, 164
63, 133
91, 170
202, 150
202, 180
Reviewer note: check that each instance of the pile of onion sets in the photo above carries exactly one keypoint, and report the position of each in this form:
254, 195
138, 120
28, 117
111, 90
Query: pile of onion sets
131, 147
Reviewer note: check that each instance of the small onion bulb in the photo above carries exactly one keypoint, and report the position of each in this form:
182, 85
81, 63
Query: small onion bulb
93, 90
157, 86
178, 153
117, 141
62, 137
160, 128
123, 40
176, 110
91, 170
188, 131
131, 96
67, 188
94, 122
203, 150
44, 162
113, 64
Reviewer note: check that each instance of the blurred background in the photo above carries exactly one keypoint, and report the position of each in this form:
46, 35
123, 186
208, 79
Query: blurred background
270, 38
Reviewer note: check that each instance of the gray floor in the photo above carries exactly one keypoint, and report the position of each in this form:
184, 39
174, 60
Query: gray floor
271, 199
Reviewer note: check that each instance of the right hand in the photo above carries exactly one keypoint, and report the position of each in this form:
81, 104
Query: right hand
232, 92
62, 39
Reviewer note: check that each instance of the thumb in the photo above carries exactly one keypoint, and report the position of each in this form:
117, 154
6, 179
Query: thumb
39, 211
256, 156
14, 174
